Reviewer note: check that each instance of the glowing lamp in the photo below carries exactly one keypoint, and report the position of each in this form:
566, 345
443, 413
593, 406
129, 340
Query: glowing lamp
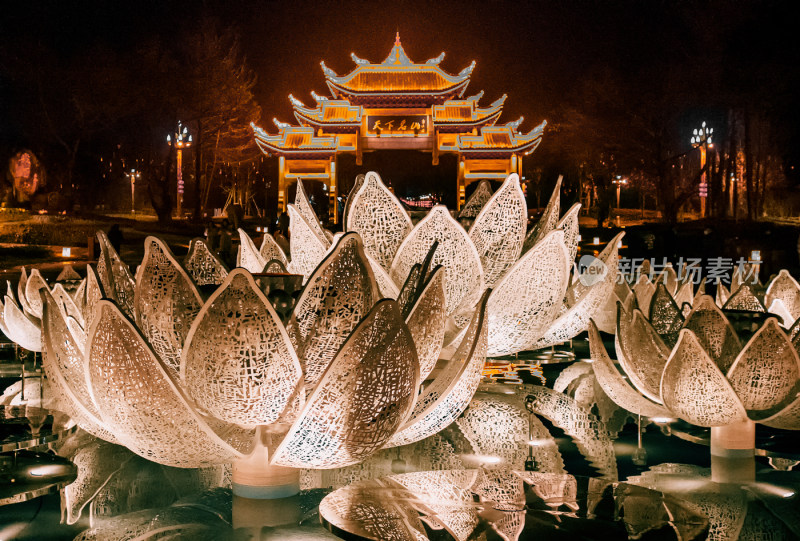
66, 251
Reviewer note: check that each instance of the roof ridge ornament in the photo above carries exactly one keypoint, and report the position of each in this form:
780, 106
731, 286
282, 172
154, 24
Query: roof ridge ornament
280, 125
468, 70
538, 129
435, 61
476, 97
359, 61
397, 55
318, 98
327, 71
296, 102
515, 124
500, 101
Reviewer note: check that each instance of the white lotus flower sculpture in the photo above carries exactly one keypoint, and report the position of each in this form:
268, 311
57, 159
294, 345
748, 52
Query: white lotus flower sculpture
190, 381
698, 369
533, 303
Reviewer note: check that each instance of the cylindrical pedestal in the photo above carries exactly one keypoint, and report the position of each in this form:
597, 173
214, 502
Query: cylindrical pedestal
253, 477
733, 453
256, 514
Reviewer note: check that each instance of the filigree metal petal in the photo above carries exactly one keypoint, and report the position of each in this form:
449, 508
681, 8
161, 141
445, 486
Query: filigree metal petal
766, 374
303, 206
357, 183
665, 315
528, 297
451, 391
644, 290
548, 220
456, 253
786, 289
714, 331
694, 388
250, 257
613, 383
591, 300
306, 247
246, 374
140, 401
338, 295
166, 302
641, 352
34, 283
118, 282
426, 322
94, 292
68, 304
744, 299
787, 419
476, 201
377, 215
569, 225
270, 250
362, 397
203, 265
499, 230
21, 328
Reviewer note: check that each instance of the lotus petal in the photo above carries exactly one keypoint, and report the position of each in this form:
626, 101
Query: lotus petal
528, 297
714, 331
379, 217
569, 224
63, 363
613, 383
744, 299
777, 308
140, 401
499, 230
722, 295
3, 327
249, 256
32, 286
79, 295
548, 220
338, 295
203, 265
455, 252
20, 328
303, 206
23, 299
70, 308
94, 292
118, 282
166, 302
274, 266
270, 250
669, 278
348, 203
360, 400
786, 289
476, 201
408, 293
306, 247
247, 374
426, 322
684, 295
665, 315
386, 286
766, 374
787, 419
606, 319
694, 388
451, 391
641, 352
576, 319
644, 290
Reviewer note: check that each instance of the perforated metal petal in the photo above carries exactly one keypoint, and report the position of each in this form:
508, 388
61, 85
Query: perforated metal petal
786, 289
641, 353
744, 299
426, 322
21, 328
247, 373
455, 252
476, 201
250, 257
569, 225
694, 388
377, 215
270, 250
204, 266
115, 275
307, 248
499, 230
32, 286
166, 302
714, 332
361, 399
140, 401
548, 220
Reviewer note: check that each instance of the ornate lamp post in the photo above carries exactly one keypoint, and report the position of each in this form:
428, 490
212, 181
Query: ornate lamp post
701, 139
133, 176
619, 182
181, 140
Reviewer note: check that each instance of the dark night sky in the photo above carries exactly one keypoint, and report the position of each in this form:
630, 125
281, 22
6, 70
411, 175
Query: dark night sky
536, 52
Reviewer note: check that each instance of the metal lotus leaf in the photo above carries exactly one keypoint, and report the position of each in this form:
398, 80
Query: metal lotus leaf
379, 217
249, 256
548, 220
270, 250
784, 288
115, 275
166, 302
499, 230
456, 253
376, 375
248, 373
476, 201
204, 266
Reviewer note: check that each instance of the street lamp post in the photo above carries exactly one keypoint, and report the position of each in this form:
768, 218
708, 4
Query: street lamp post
133, 176
619, 182
181, 140
701, 139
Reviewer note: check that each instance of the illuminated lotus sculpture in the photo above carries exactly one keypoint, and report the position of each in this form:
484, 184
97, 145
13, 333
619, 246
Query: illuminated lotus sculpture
533, 304
698, 369
190, 381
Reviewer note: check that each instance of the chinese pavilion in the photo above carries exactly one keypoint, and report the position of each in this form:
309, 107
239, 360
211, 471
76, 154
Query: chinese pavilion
396, 104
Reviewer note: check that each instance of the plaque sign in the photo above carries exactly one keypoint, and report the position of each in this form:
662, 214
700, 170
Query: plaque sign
397, 125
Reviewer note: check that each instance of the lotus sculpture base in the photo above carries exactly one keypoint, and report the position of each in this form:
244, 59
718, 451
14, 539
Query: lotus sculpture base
254, 478
733, 453
253, 514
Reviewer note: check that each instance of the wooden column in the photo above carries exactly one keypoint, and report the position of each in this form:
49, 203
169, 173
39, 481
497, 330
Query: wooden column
460, 187
281, 184
333, 190
435, 152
